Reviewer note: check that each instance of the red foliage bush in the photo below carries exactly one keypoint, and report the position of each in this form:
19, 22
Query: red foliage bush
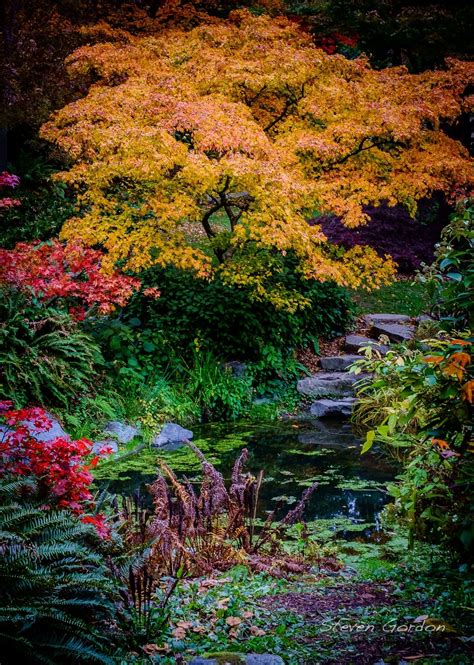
59, 467
71, 272
9, 180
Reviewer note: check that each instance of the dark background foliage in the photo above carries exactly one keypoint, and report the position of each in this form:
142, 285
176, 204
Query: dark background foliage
417, 33
391, 230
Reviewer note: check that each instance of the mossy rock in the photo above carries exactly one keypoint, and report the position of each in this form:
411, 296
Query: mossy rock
232, 658
228, 658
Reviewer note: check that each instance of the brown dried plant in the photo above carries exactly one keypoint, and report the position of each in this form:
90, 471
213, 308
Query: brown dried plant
214, 528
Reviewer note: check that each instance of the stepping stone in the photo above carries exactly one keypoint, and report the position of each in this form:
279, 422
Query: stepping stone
324, 408
338, 363
238, 659
375, 319
355, 342
338, 384
396, 332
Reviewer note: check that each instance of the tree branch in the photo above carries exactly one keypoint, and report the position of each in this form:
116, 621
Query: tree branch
361, 148
205, 220
292, 100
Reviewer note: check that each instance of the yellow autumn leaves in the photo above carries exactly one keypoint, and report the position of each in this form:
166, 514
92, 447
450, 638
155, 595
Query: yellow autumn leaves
246, 118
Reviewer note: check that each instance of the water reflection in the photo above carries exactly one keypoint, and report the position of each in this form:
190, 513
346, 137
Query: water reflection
293, 456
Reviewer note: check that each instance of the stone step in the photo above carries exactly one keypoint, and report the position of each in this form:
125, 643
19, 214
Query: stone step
355, 342
375, 319
323, 384
327, 408
396, 332
338, 363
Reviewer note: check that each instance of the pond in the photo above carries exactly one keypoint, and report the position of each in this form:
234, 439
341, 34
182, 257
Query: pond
293, 454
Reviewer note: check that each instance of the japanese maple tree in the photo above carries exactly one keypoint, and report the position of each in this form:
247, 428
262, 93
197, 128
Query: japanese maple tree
71, 272
60, 467
208, 149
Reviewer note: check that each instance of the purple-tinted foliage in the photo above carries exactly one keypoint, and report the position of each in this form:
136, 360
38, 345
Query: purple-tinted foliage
392, 231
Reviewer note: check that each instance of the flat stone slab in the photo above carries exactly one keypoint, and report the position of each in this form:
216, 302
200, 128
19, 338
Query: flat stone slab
374, 319
238, 659
396, 332
355, 342
327, 408
170, 435
322, 384
338, 363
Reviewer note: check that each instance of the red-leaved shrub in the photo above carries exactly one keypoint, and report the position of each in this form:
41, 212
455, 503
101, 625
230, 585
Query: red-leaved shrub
9, 180
69, 272
391, 230
58, 466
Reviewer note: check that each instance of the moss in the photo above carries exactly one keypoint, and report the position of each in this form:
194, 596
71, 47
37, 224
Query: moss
180, 460
227, 658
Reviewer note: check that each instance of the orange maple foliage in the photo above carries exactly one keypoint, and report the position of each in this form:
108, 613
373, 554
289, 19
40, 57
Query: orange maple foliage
209, 148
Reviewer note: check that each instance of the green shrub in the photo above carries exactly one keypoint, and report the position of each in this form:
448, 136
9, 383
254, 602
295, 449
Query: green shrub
44, 357
419, 404
218, 394
45, 203
450, 279
194, 313
56, 594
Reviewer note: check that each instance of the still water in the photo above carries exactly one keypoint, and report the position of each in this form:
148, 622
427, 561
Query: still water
293, 454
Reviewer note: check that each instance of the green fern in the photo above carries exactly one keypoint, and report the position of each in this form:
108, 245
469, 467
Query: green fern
56, 594
44, 357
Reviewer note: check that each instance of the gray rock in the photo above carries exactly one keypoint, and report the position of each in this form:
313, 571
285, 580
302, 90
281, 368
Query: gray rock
236, 368
338, 384
261, 401
109, 443
121, 432
338, 363
324, 408
54, 432
355, 342
170, 435
424, 318
396, 332
234, 658
375, 319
